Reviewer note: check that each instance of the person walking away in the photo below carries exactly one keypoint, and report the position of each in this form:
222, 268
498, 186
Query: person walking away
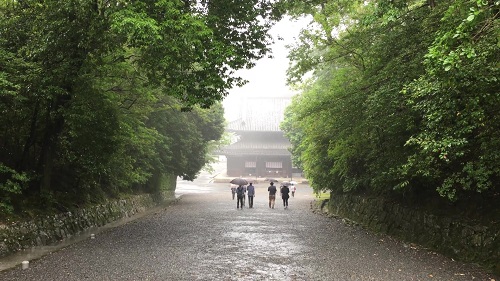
244, 194
233, 190
272, 195
251, 195
293, 189
285, 194
240, 195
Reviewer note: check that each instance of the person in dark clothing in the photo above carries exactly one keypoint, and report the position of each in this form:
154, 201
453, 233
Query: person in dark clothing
272, 195
285, 194
240, 194
251, 195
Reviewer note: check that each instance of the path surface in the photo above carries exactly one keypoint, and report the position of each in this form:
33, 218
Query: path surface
204, 237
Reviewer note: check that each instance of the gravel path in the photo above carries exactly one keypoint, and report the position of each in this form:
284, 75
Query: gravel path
204, 237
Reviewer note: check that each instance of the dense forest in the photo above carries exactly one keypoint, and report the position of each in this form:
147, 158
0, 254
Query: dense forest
103, 98
398, 98
100, 99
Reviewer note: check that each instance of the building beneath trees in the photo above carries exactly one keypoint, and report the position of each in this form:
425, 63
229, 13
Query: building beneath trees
261, 149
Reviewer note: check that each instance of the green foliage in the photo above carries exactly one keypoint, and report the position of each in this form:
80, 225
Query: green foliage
293, 132
457, 97
374, 117
186, 137
12, 183
99, 99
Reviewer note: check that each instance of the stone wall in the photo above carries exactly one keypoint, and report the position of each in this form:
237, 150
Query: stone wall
51, 229
466, 240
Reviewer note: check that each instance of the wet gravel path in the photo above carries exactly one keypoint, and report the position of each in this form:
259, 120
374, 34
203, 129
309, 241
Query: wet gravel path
204, 237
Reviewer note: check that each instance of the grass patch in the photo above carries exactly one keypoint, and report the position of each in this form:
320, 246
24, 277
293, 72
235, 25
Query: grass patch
321, 200
323, 196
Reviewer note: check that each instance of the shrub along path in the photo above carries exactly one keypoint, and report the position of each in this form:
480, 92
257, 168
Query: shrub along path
204, 237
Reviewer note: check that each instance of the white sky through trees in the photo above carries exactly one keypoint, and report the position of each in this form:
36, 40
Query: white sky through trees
268, 77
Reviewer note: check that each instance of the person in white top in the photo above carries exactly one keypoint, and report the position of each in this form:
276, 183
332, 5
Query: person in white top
292, 189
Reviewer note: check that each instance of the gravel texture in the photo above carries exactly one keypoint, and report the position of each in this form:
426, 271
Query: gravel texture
204, 237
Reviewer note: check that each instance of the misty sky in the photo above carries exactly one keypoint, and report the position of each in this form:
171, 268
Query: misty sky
268, 77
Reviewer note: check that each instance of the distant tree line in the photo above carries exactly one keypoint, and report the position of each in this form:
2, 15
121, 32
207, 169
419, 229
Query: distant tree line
401, 97
102, 98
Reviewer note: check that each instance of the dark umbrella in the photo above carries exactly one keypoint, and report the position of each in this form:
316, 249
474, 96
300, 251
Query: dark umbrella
271, 180
239, 181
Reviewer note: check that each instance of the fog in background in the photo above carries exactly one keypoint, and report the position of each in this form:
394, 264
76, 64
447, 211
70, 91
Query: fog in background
268, 77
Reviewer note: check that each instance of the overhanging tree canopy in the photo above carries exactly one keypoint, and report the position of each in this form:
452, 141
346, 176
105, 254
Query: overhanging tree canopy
405, 92
86, 84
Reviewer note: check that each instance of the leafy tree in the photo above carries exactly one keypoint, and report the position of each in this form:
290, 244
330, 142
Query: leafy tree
374, 117
458, 100
185, 138
294, 132
81, 82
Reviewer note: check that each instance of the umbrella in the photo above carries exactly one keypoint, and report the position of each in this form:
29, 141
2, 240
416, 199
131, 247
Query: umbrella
286, 183
271, 180
293, 182
239, 181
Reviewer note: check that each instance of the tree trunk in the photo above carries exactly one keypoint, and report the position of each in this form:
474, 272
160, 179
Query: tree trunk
50, 143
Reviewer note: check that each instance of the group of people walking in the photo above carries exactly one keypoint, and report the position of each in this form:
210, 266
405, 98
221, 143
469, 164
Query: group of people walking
240, 191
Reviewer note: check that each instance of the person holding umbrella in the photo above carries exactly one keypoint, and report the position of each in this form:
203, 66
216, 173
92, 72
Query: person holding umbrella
285, 195
240, 191
240, 194
285, 183
272, 195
